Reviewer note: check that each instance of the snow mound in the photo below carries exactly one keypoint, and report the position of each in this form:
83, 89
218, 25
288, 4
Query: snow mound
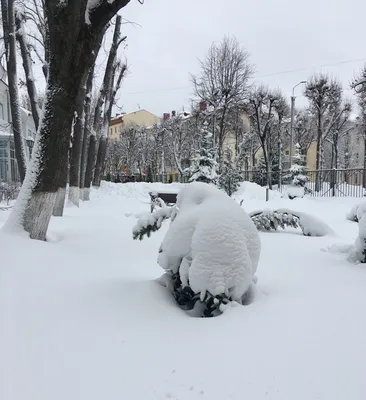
358, 251
252, 191
135, 190
356, 212
212, 243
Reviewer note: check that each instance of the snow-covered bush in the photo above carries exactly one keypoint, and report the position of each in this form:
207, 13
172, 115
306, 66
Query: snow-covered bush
356, 212
230, 176
297, 180
267, 220
210, 251
358, 252
204, 164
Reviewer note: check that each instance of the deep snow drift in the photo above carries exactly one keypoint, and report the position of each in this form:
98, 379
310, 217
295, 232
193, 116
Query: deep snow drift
82, 317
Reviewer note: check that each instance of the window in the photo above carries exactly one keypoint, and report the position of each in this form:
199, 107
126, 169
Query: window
2, 111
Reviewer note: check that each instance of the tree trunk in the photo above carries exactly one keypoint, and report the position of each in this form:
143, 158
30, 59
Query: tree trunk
58, 209
7, 9
92, 151
364, 160
75, 159
318, 154
87, 112
28, 69
100, 165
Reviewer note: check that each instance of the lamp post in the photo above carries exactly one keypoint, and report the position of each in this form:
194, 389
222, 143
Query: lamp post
292, 120
30, 144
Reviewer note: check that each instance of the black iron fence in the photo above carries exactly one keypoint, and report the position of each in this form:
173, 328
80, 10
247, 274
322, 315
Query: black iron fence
326, 182
320, 183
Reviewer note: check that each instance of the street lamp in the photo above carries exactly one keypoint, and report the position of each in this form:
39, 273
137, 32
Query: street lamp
292, 120
30, 144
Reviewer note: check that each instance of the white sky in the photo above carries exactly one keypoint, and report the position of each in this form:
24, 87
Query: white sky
281, 35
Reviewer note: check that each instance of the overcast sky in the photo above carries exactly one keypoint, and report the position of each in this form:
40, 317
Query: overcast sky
281, 35
288, 40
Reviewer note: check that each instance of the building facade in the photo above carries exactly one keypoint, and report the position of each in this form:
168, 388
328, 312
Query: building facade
8, 164
121, 121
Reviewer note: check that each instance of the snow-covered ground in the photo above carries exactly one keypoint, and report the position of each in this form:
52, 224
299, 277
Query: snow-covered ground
82, 317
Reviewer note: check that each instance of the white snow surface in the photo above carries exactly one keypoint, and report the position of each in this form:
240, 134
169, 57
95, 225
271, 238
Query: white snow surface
215, 240
82, 316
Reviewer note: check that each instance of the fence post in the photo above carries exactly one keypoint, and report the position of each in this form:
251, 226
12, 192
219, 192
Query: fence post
333, 183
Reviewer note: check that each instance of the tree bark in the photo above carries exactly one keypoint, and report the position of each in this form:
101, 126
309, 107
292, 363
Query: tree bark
87, 112
28, 69
7, 9
72, 44
100, 164
75, 159
318, 153
92, 151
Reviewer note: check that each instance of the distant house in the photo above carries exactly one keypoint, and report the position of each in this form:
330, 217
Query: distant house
8, 164
121, 121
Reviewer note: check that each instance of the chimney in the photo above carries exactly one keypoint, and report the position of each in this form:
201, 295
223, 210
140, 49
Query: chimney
203, 106
166, 116
173, 113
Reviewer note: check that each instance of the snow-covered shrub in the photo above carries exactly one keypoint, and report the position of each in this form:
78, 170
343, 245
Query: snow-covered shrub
358, 253
267, 220
230, 176
297, 180
356, 212
204, 164
210, 251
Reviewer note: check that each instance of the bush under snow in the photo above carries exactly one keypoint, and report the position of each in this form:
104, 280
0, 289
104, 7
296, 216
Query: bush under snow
358, 252
211, 249
266, 220
356, 212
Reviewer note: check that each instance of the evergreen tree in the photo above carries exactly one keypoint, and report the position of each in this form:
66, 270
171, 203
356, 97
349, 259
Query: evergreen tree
230, 176
204, 165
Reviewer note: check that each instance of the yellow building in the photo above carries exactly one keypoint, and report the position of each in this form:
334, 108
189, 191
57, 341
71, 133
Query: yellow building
140, 118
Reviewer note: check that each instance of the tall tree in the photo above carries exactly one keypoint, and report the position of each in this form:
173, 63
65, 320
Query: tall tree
261, 109
223, 83
74, 29
8, 19
103, 108
87, 130
324, 94
359, 87
21, 36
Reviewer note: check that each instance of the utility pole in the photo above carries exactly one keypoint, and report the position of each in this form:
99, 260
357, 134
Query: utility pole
292, 121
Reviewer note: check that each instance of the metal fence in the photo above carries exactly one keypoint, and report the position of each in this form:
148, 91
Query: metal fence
321, 183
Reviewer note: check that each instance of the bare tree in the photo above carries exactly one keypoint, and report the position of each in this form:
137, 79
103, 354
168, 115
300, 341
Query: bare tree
87, 130
223, 83
323, 94
108, 105
8, 19
304, 130
66, 21
106, 99
359, 87
20, 19
261, 109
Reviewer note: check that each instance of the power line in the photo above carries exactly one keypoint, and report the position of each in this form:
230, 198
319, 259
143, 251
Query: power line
257, 77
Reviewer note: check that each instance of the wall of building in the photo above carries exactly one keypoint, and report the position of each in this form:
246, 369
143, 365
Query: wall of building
140, 118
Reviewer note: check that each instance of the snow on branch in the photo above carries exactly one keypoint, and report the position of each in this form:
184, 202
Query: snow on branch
267, 220
152, 222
